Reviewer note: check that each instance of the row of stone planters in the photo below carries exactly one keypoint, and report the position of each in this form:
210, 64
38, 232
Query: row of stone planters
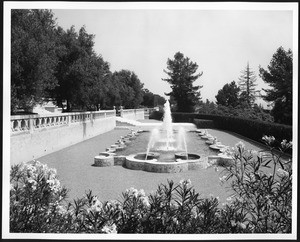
109, 157
224, 158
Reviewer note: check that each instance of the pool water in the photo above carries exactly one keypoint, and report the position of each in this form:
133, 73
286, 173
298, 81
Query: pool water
194, 145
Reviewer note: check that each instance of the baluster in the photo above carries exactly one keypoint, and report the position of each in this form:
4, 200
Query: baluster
54, 121
45, 122
27, 124
51, 122
19, 128
12, 125
34, 123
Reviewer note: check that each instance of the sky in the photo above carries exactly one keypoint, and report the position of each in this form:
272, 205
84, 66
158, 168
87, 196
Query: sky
220, 37
221, 42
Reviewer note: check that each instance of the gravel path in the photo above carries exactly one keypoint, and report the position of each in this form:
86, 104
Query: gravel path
75, 170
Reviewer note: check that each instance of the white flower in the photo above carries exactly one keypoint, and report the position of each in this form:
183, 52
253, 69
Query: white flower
222, 179
185, 182
61, 209
32, 182
240, 145
282, 172
194, 213
175, 220
110, 229
268, 139
285, 144
142, 192
241, 225
96, 205
54, 184
145, 201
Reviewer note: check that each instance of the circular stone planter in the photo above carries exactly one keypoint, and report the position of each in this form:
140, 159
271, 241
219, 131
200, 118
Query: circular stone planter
103, 161
207, 137
107, 154
130, 137
221, 160
120, 147
126, 141
110, 149
151, 164
119, 160
217, 147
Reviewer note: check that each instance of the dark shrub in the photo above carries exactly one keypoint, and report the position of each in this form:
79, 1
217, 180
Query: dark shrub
253, 129
204, 123
157, 115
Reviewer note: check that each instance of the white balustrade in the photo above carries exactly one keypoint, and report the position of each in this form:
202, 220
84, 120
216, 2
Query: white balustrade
24, 123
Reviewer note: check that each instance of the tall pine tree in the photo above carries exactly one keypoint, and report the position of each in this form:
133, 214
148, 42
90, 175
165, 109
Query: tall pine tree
280, 78
247, 85
181, 72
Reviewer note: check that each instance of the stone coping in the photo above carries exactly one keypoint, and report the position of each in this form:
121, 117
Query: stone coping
153, 165
29, 116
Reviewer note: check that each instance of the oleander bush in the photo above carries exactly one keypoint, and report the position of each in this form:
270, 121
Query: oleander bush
261, 183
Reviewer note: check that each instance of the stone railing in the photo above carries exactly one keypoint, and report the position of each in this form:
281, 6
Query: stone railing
33, 136
133, 114
30, 123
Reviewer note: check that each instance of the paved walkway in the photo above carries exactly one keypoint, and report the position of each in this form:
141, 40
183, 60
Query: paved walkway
75, 170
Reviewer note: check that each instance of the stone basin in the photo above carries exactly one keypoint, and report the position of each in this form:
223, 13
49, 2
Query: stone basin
151, 163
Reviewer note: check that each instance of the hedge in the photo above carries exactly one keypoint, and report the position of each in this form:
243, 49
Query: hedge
157, 115
204, 123
252, 129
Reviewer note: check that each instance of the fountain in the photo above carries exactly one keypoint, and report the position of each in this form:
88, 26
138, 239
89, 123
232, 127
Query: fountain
166, 150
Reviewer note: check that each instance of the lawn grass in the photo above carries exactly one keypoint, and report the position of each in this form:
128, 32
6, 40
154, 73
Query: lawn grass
75, 170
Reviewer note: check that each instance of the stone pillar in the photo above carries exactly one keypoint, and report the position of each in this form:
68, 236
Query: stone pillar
31, 125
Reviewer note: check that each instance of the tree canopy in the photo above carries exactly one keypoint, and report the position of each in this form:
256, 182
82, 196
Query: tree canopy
49, 62
228, 95
33, 57
181, 72
152, 100
279, 76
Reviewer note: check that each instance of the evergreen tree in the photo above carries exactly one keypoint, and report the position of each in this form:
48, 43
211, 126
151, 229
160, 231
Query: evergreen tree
228, 95
181, 72
247, 85
280, 77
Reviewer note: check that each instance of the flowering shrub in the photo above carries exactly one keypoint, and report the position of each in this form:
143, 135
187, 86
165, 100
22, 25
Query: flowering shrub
262, 185
36, 198
261, 202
